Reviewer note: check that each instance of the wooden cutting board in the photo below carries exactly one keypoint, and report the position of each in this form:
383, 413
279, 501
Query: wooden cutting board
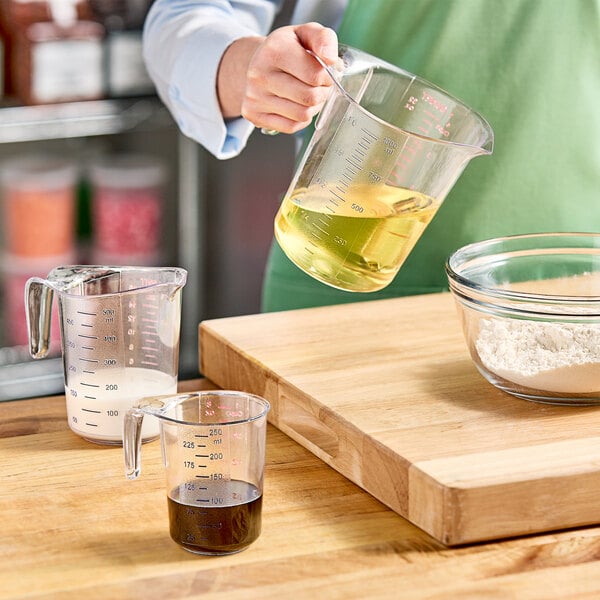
386, 393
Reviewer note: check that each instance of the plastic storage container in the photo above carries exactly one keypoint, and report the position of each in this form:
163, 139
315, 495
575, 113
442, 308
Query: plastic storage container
38, 201
127, 209
52, 63
125, 71
55, 50
20, 13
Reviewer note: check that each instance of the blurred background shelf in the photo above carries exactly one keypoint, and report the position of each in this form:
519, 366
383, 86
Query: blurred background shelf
80, 119
128, 123
217, 219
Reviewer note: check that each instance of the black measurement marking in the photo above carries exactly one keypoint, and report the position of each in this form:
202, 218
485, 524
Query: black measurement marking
94, 385
355, 164
201, 500
201, 455
89, 314
203, 476
200, 435
89, 372
91, 411
86, 325
87, 348
89, 360
92, 424
90, 397
88, 337
371, 135
341, 198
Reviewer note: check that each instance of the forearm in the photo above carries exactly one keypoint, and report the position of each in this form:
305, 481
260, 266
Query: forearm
184, 41
231, 78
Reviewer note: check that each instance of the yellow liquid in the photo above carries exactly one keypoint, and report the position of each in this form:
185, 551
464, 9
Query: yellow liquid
357, 243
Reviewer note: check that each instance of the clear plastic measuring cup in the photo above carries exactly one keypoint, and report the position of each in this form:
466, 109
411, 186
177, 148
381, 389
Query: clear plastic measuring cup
213, 447
120, 340
387, 148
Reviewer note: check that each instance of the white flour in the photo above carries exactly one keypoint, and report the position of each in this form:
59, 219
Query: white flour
560, 358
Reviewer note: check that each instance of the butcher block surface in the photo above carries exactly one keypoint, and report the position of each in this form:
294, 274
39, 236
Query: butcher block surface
385, 393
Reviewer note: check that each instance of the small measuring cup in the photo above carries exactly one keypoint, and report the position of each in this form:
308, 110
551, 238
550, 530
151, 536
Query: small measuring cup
387, 148
213, 447
120, 340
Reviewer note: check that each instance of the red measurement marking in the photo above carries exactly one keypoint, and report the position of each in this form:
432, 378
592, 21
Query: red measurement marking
432, 115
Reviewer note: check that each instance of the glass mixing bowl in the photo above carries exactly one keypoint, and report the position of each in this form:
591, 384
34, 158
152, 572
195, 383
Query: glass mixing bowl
530, 311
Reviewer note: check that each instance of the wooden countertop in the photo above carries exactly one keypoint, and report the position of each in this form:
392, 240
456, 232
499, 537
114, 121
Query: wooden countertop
74, 527
386, 393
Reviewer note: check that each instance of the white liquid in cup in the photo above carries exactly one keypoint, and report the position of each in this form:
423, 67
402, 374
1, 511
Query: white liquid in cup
97, 403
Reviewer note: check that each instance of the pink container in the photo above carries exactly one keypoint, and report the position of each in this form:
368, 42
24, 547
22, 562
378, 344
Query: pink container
38, 197
15, 273
127, 205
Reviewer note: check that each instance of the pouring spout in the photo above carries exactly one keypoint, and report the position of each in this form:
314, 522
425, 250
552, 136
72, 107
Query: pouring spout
486, 144
180, 279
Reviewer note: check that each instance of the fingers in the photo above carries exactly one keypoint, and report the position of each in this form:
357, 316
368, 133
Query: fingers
286, 86
320, 40
279, 114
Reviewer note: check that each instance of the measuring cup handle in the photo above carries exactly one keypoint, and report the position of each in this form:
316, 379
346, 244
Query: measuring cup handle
132, 442
38, 304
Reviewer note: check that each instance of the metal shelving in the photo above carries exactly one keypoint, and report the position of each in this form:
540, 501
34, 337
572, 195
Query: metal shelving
80, 119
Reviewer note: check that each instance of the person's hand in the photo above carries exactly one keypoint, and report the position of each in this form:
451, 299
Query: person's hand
273, 82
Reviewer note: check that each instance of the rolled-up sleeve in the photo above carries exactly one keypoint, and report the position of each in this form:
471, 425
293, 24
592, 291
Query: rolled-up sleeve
183, 44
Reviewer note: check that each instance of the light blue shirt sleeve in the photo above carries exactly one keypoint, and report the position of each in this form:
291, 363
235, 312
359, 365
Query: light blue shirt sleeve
183, 44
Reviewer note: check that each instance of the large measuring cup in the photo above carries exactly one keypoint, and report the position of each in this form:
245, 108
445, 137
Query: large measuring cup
120, 340
387, 148
213, 447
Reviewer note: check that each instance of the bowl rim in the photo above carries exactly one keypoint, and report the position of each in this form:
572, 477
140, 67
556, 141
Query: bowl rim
473, 250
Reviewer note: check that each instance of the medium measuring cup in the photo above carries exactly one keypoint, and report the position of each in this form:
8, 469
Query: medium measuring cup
119, 337
213, 447
387, 148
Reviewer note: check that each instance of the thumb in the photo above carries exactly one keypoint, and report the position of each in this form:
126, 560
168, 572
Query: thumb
320, 40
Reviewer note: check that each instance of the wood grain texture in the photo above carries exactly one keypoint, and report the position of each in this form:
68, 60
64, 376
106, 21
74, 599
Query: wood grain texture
385, 392
73, 527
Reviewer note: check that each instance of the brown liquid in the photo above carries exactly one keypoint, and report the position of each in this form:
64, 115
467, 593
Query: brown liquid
209, 529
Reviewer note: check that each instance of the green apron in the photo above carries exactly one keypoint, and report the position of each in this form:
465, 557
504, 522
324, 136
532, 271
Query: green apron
532, 69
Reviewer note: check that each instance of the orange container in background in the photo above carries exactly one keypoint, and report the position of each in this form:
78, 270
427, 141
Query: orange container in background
38, 202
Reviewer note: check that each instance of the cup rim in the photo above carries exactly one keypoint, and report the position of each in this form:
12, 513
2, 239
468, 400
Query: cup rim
491, 247
159, 405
